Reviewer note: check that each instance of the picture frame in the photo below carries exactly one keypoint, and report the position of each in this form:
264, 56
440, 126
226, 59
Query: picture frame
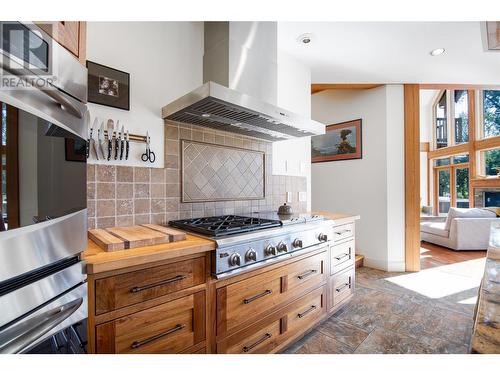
342, 141
75, 150
108, 86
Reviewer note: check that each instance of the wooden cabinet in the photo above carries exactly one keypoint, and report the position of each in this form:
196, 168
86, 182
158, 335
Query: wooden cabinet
273, 332
176, 306
72, 35
134, 287
167, 328
256, 296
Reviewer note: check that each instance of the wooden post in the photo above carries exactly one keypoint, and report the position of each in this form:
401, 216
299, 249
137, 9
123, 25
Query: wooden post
412, 176
471, 95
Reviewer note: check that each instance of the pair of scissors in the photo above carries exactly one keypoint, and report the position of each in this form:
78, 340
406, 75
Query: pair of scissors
148, 155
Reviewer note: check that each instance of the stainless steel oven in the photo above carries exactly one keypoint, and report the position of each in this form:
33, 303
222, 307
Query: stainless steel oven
43, 215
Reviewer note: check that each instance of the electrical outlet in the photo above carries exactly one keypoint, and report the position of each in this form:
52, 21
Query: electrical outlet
302, 196
288, 197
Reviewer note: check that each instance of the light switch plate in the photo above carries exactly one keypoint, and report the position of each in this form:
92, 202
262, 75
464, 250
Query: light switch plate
302, 196
288, 197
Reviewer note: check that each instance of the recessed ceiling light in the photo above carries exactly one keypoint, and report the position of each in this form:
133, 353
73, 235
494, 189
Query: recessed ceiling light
437, 52
305, 39
205, 115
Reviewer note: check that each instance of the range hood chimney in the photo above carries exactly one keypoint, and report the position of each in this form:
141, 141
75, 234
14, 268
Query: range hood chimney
240, 93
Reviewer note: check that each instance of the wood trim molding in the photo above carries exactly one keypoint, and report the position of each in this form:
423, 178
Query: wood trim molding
471, 96
448, 151
318, 87
412, 176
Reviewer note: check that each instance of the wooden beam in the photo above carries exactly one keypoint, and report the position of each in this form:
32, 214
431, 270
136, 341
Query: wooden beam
448, 151
487, 143
424, 147
455, 86
412, 176
493, 182
318, 87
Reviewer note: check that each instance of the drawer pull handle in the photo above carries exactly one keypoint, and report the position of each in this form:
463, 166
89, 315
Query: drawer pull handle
343, 231
306, 275
137, 289
342, 256
137, 344
346, 285
246, 349
302, 314
246, 301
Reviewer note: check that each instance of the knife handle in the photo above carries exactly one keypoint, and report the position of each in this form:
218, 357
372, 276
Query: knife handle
121, 150
126, 150
117, 146
87, 149
109, 149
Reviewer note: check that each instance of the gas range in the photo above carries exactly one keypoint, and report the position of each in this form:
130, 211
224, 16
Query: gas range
247, 242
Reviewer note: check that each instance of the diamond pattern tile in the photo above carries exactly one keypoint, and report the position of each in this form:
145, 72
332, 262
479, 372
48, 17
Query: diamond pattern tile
213, 172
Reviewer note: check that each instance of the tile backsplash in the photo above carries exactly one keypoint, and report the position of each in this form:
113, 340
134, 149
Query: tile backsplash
120, 196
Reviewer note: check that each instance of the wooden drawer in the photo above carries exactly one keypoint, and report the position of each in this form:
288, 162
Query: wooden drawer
342, 256
270, 333
256, 296
250, 341
342, 286
306, 311
138, 286
167, 328
343, 232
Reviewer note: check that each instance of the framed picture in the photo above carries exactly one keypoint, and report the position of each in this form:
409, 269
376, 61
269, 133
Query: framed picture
75, 149
108, 86
340, 142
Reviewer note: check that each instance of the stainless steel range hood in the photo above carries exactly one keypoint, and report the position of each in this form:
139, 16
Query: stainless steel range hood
240, 93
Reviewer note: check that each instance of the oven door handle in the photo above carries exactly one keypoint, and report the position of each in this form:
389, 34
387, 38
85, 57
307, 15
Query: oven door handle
54, 93
17, 338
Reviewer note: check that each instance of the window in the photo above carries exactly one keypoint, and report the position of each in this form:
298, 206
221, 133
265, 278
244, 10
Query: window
451, 176
441, 122
461, 114
491, 162
491, 113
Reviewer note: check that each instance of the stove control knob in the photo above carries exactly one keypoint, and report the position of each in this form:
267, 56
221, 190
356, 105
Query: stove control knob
297, 242
271, 250
282, 247
235, 259
251, 255
322, 237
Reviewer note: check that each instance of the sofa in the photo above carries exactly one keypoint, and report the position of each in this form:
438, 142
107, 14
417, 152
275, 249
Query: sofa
462, 229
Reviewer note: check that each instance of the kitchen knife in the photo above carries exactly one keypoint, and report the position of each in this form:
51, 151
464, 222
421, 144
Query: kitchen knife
101, 140
122, 137
110, 137
92, 140
89, 135
117, 141
127, 145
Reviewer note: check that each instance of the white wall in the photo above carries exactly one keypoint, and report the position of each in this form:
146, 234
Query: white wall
294, 94
373, 186
164, 60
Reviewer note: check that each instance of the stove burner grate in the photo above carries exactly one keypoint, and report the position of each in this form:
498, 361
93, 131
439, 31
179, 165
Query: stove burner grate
224, 225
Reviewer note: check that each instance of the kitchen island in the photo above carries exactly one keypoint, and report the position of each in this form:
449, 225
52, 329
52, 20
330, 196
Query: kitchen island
164, 298
486, 333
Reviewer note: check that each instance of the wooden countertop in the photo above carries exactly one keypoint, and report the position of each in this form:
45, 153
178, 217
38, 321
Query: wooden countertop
99, 260
338, 218
486, 334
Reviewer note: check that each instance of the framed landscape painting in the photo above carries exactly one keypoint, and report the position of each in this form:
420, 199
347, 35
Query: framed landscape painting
340, 142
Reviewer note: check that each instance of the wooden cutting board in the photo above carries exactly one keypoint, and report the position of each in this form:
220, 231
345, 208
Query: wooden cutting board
119, 238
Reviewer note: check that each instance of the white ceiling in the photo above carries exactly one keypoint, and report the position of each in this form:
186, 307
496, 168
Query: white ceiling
392, 52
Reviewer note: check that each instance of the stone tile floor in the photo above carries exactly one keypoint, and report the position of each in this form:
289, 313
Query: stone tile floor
426, 312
